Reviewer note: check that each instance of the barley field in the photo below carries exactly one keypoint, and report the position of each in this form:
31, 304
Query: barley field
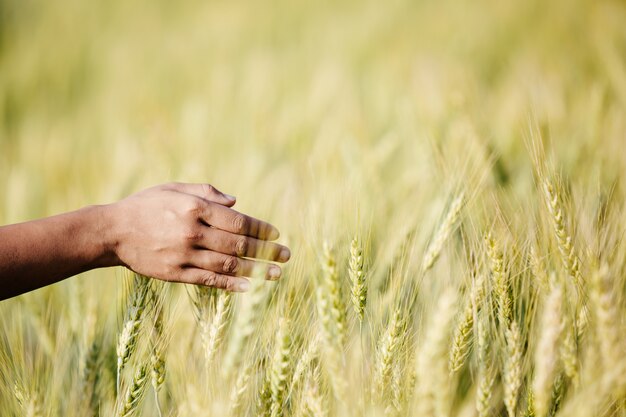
447, 174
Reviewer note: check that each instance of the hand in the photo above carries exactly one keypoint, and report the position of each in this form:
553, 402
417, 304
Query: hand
189, 233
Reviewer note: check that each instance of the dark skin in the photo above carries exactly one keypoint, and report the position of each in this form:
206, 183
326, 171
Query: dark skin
173, 232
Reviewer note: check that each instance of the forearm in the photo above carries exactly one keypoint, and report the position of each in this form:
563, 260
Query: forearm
41, 252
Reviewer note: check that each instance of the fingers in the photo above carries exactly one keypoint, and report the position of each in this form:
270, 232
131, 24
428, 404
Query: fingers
232, 265
204, 191
241, 246
229, 220
220, 215
212, 279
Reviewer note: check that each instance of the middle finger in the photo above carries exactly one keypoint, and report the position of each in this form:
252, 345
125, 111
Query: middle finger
243, 246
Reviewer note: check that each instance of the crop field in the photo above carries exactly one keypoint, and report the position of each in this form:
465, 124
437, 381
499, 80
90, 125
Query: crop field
448, 175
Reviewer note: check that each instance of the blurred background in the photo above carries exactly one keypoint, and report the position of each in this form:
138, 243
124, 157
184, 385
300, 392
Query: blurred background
98, 99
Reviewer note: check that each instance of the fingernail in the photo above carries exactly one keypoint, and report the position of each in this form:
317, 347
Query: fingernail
242, 286
274, 272
285, 254
230, 197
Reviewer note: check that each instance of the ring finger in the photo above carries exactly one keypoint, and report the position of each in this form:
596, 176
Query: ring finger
232, 265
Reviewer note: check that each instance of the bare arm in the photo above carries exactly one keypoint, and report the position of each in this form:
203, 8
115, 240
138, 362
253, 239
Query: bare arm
174, 232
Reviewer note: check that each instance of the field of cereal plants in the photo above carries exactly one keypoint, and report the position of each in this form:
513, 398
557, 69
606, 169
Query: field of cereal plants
447, 174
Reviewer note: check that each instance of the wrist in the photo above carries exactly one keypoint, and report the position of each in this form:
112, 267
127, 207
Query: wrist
102, 218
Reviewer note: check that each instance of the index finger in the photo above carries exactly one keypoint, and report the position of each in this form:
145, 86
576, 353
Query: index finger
229, 220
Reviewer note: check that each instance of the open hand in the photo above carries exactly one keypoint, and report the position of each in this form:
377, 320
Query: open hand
189, 233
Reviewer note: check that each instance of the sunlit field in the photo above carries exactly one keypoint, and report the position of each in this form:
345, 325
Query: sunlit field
447, 174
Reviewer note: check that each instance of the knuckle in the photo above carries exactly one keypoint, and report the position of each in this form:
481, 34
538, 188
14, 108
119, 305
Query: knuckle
231, 265
240, 223
170, 271
192, 234
193, 207
229, 285
208, 190
223, 282
241, 246
209, 279
174, 261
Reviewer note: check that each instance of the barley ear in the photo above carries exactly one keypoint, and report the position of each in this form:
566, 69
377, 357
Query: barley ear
443, 233
29, 402
512, 374
563, 236
569, 352
461, 343
313, 400
248, 319
281, 363
135, 393
332, 287
264, 398
237, 398
137, 303
486, 373
357, 278
213, 335
387, 352
157, 356
547, 353
433, 387
304, 363
500, 281
91, 376
607, 316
